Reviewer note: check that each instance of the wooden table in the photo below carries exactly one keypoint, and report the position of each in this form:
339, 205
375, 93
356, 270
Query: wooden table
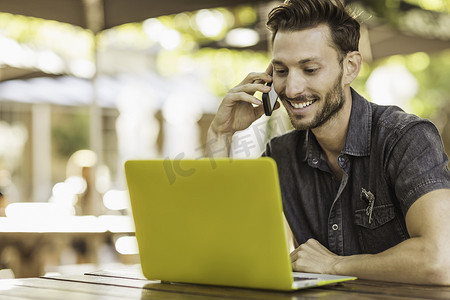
129, 284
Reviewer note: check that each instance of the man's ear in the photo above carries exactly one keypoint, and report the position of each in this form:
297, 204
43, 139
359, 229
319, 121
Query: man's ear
352, 65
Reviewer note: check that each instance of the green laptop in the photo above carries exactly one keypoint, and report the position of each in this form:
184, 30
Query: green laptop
215, 222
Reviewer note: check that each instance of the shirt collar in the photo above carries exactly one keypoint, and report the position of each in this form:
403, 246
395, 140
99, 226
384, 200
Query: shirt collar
358, 138
311, 147
357, 142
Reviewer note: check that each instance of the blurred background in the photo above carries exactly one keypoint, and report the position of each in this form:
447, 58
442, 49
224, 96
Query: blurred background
88, 84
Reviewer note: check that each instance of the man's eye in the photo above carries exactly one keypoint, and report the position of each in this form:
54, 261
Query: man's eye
311, 70
280, 71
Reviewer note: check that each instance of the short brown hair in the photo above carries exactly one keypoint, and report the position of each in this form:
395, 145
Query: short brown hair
295, 15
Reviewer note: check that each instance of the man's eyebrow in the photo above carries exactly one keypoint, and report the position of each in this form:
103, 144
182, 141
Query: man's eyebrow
277, 62
300, 62
308, 60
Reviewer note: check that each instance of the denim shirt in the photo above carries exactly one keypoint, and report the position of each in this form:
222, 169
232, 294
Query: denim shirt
390, 159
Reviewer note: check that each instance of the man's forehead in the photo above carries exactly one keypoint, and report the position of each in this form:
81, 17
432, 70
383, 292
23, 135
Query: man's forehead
308, 45
317, 34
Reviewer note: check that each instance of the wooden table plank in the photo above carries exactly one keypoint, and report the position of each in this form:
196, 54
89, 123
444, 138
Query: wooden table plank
235, 293
41, 288
96, 287
392, 289
102, 280
361, 287
78, 287
112, 285
189, 290
126, 271
24, 291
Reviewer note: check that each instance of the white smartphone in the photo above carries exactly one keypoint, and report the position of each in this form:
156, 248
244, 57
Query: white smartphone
269, 100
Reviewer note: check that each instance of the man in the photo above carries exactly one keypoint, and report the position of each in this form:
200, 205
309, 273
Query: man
365, 188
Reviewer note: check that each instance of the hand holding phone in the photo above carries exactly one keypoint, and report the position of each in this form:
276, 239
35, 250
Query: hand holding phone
269, 100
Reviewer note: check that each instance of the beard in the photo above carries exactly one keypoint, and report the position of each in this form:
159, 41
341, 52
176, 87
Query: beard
333, 103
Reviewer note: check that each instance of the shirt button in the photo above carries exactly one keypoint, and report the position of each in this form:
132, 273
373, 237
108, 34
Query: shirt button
342, 160
335, 227
315, 161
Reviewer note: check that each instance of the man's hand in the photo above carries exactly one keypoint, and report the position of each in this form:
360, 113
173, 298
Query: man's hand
312, 257
240, 108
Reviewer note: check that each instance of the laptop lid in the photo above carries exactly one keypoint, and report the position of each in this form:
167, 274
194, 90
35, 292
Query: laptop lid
210, 221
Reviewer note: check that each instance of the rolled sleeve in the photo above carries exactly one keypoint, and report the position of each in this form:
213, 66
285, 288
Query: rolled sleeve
417, 163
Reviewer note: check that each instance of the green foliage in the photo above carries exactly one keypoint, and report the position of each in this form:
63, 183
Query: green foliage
431, 72
434, 90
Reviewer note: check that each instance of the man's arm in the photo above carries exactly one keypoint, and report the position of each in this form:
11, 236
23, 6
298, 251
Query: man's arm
422, 259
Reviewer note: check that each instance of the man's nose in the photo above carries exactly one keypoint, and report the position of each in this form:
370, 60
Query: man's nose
295, 85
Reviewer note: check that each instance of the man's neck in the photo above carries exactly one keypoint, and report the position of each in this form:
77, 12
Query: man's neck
331, 135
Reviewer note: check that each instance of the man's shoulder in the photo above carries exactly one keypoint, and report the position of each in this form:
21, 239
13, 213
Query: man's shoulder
392, 126
393, 118
384, 116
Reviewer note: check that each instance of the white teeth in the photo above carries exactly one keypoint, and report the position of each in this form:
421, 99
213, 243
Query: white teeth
302, 105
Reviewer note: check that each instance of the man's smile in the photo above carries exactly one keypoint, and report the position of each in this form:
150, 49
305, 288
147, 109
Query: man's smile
300, 105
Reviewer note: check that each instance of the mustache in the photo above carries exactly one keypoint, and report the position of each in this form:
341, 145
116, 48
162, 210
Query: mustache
301, 98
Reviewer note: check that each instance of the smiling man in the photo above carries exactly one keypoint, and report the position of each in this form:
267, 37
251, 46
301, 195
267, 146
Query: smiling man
365, 188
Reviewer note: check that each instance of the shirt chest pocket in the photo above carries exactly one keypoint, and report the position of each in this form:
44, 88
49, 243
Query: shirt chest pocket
380, 216
384, 230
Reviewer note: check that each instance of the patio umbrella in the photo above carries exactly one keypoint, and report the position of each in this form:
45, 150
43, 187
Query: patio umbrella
97, 15
380, 41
